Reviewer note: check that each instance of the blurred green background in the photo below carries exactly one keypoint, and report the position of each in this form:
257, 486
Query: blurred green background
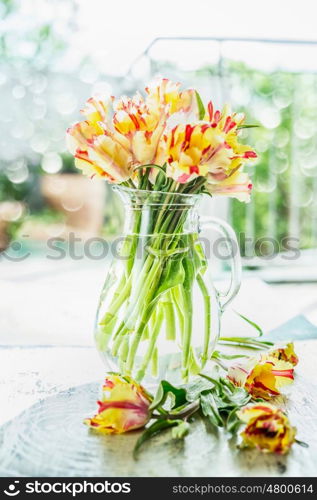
44, 82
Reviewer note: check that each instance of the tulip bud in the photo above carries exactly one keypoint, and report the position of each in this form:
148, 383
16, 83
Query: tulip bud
262, 377
267, 428
124, 406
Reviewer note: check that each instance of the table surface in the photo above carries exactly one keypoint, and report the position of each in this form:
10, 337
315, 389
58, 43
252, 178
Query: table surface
49, 439
46, 347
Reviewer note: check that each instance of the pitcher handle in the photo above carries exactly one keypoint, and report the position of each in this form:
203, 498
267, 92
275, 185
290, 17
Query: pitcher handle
235, 261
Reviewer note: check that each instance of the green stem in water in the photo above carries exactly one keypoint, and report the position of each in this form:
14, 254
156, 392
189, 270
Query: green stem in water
194, 366
136, 339
170, 323
119, 298
207, 304
246, 342
123, 353
187, 334
177, 299
145, 280
152, 344
132, 314
148, 305
122, 292
155, 362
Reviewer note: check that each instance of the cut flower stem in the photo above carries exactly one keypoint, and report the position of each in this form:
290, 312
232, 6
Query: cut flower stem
157, 288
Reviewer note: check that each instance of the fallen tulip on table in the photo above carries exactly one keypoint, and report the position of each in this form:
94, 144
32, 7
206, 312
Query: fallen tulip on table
267, 428
126, 406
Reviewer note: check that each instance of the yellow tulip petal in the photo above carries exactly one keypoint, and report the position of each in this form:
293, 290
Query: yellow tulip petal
286, 353
267, 428
124, 406
262, 377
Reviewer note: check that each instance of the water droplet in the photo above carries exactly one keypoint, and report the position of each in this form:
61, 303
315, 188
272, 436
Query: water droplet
19, 175
102, 88
270, 118
11, 211
18, 92
88, 74
51, 163
282, 97
72, 204
39, 84
66, 103
39, 143
281, 138
304, 128
267, 186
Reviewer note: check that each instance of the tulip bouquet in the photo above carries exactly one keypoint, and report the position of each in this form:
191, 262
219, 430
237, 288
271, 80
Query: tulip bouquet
229, 397
167, 140
159, 148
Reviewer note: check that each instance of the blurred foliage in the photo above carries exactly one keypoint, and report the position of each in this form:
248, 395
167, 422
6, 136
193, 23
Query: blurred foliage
285, 106
43, 84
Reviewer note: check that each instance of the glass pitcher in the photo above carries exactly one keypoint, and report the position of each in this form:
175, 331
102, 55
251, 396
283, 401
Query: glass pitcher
159, 313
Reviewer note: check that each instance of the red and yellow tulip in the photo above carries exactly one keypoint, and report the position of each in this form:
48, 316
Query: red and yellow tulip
163, 128
238, 185
165, 94
97, 152
267, 428
111, 146
262, 377
124, 406
210, 149
286, 353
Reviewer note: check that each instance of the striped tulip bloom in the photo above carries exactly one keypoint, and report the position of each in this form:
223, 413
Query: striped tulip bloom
117, 136
285, 353
266, 428
238, 185
97, 152
141, 127
210, 149
124, 406
165, 94
262, 377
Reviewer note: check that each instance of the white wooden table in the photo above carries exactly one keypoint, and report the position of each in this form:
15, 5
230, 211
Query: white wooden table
49, 439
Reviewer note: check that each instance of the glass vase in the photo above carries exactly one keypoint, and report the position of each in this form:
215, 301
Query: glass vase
159, 312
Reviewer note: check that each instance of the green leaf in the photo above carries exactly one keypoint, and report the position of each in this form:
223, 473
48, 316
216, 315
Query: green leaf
302, 443
252, 323
221, 355
233, 422
155, 428
159, 181
226, 396
240, 127
180, 430
209, 408
251, 342
198, 257
215, 381
237, 397
201, 107
150, 166
189, 270
172, 276
165, 390
196, 387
